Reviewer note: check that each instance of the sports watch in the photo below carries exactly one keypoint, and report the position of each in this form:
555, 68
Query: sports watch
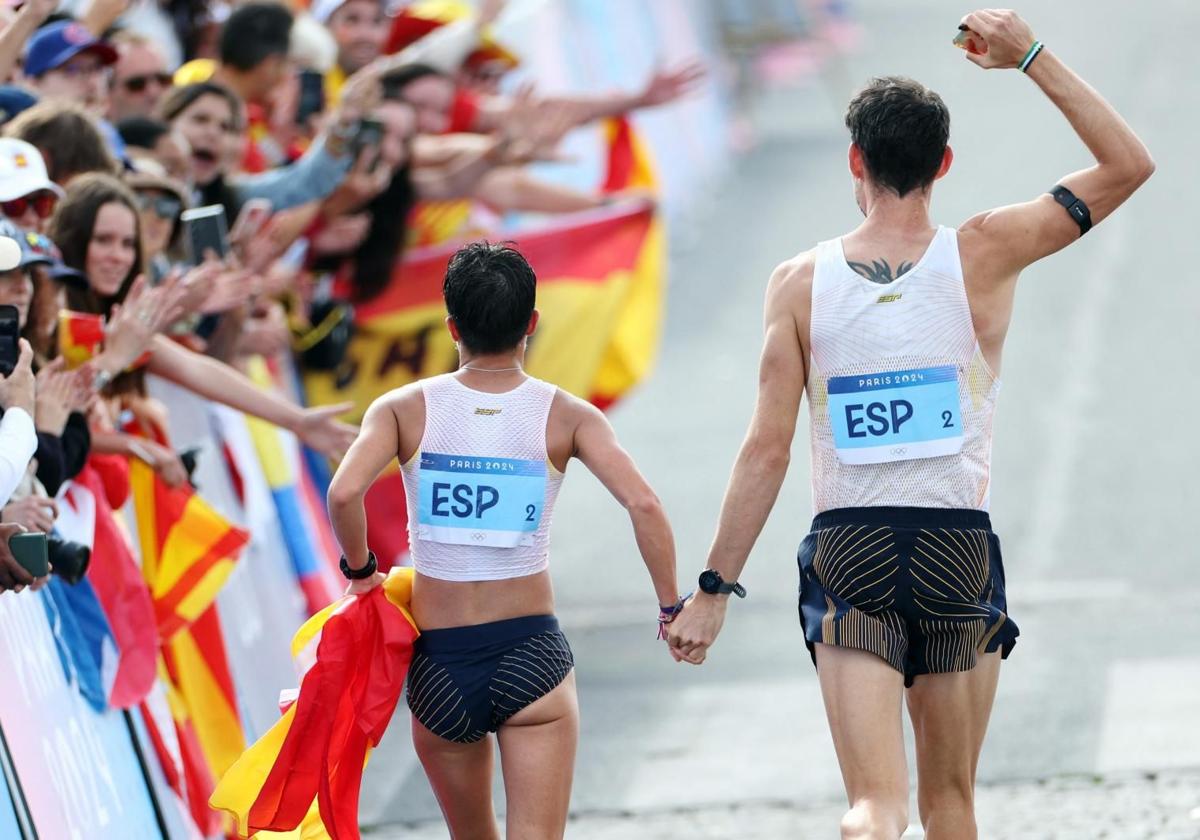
362, 573
712, 583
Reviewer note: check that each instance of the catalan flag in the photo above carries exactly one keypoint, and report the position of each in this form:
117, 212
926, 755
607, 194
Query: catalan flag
355, 655
188, 550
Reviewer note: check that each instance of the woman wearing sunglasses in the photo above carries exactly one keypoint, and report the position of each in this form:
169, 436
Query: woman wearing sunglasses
27, 195
160, 201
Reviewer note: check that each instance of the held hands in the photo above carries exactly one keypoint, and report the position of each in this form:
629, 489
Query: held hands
695, 628
998, 38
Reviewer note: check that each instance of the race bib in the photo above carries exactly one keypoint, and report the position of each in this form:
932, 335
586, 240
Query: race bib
480, 501
896, 416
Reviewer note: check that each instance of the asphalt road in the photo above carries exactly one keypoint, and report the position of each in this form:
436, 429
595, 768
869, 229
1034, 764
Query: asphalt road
1095, 491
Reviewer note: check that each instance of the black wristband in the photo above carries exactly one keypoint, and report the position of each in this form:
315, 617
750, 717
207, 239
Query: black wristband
359, 574
1076, 209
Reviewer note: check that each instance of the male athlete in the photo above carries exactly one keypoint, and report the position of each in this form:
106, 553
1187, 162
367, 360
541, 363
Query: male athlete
895, 331
483, 451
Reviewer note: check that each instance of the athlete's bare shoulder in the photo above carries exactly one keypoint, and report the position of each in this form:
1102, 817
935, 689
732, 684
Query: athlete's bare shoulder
793, 277
789, 293
568, 414
407, 406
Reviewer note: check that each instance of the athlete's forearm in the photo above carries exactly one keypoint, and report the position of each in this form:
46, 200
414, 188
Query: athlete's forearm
657, 546
753, 488
348, 516
1108, 137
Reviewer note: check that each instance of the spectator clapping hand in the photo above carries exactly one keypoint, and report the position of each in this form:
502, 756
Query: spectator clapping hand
19, 388
147, 311
56, 397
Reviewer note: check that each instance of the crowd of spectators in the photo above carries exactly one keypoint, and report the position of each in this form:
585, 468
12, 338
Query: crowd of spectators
317, 130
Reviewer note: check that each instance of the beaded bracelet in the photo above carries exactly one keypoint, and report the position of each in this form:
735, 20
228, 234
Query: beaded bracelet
1034, 52
668, 614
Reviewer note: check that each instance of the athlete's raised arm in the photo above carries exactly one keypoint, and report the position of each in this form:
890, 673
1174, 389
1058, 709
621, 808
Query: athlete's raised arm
597, 447
377, 444
763, 460
1010, 238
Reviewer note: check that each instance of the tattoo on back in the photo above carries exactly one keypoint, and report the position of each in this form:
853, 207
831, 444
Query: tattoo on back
879, 271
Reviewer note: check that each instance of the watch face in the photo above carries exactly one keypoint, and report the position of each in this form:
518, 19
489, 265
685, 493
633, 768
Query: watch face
710, 582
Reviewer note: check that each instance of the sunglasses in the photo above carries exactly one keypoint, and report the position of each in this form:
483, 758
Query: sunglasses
41, 202
137, 84
163, 206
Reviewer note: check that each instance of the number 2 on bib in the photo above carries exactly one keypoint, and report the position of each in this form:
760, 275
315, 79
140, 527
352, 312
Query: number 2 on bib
896, 415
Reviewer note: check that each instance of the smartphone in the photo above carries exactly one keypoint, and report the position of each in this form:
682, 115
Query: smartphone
10, 332
367, 138
206, 231
29, 550
312, 96
251, 218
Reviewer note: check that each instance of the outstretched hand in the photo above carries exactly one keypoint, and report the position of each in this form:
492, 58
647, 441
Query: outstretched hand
321, 430
668, 85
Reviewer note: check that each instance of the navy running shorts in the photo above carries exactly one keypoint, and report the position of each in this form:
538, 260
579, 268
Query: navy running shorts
465, 682
921, 588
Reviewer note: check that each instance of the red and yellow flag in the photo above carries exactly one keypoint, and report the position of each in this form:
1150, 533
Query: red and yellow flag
357, 651
188, 549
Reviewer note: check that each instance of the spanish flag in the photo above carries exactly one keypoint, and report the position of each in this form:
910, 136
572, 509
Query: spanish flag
355, 655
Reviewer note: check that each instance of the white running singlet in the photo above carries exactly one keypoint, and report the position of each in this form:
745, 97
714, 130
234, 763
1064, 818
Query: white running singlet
481, 488
901, 399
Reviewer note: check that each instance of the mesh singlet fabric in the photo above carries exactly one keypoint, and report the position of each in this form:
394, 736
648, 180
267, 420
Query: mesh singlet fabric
461, 421
922, 319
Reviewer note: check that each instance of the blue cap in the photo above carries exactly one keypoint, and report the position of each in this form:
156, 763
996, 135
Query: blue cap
14, 100
36, 248
54, 45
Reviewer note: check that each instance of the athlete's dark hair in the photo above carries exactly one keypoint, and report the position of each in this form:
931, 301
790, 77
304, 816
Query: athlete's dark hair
489, 291
902, 128
253, 33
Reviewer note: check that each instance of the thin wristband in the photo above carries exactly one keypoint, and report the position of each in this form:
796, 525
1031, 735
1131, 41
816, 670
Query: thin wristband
1033, 53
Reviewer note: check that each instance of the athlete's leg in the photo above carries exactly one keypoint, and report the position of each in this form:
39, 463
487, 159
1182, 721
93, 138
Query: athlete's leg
863, 702
950, 716
461, 777
537, 756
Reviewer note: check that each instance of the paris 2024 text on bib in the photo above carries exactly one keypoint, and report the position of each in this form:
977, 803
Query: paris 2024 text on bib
896, 416
468, 500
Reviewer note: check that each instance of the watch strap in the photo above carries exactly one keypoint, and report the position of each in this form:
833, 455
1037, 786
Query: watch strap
359, 574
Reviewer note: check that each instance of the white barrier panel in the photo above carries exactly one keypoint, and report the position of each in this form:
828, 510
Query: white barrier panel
78, 769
